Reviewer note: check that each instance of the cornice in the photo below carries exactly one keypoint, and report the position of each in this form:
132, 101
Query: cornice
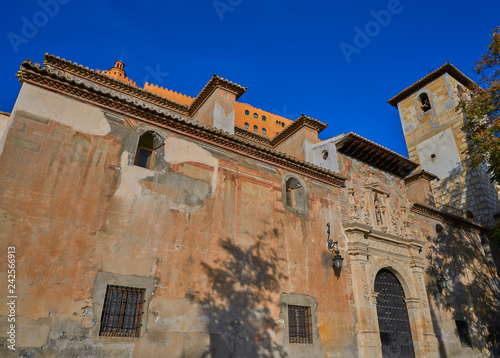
65, 66
214, 83
365, 150
295, 126
98, 95
370, 232
254, 137
448, 218
421, 174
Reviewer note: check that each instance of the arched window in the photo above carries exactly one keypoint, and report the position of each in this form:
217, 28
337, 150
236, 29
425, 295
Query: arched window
264, 131
425, 103
255, 115
440, 232
264, 118
149, 142
295, 194
283, 124
247, 112
255, 128
246, 125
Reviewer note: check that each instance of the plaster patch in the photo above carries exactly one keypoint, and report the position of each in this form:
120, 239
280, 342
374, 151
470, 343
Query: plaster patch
179, 150
135, 179
221, 121
131, 175
439, 154
80, 116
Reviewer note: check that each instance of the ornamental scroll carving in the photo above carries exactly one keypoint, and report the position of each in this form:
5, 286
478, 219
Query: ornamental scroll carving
374, 206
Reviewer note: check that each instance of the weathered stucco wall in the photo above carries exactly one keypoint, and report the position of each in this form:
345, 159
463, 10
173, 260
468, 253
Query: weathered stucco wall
207, 231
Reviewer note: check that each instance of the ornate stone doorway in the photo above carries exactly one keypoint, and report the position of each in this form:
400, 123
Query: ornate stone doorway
393, 320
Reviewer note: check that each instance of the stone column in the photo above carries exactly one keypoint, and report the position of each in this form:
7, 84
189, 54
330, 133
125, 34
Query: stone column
427, 338
367, 325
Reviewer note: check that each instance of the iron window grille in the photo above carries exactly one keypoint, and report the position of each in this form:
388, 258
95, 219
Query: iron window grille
299, 324
122, 311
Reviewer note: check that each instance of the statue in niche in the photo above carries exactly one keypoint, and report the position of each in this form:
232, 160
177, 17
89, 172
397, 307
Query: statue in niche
378, 210
394, 221
354, 211
364, 210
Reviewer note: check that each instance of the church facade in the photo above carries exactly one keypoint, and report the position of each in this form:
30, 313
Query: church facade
147, 223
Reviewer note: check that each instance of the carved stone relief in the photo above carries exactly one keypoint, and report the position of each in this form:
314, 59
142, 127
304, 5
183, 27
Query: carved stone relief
376, 208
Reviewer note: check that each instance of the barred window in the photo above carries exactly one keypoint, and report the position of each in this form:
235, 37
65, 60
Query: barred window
122, 311
299, 324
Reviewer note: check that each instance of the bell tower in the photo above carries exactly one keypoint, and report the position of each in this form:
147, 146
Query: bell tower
431, 127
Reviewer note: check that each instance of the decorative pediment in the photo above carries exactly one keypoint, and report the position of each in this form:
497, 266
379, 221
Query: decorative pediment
375, 185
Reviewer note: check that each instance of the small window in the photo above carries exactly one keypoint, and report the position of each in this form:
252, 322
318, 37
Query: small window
463, 333
264, 118
425, 103
264, 131
246, 125
144, 157
255, 128
283, 124
324, 155
122, 311
255, 115
294, 194
148, 143
469, 215
299, 324
247, 112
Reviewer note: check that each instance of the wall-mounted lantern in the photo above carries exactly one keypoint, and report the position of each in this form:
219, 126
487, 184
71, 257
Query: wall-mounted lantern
334, 248
443, 282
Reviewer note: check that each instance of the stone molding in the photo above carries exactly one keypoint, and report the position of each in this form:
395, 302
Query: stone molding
448, 218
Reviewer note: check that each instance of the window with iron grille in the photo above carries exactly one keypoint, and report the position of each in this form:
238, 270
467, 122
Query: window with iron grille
122, 311
299, 324
463, 333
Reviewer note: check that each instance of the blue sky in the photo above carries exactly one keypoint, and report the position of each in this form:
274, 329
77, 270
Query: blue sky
337, 61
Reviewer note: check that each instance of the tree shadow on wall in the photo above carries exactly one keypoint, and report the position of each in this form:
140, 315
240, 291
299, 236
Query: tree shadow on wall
472, 292
243, 287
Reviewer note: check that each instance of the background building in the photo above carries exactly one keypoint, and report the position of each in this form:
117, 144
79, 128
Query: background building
148, 223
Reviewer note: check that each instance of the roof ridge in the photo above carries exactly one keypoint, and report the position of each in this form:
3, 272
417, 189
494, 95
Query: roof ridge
105, 78
431, 76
